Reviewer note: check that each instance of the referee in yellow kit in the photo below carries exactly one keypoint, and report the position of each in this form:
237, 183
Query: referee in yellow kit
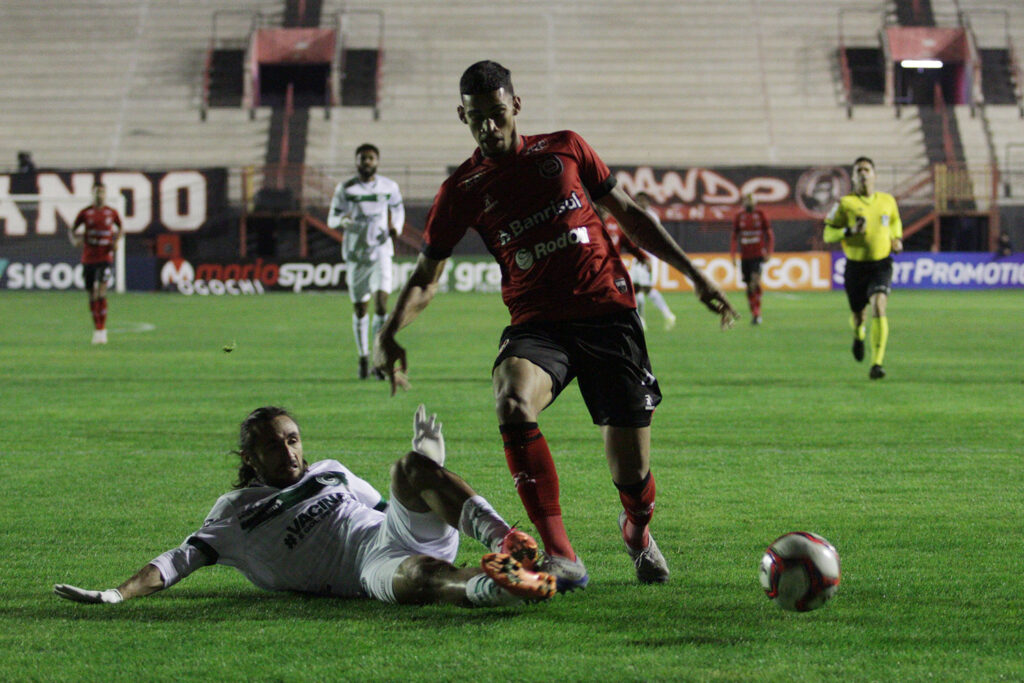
868, 224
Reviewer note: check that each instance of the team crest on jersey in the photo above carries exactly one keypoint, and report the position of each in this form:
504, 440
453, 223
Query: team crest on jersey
550, 167
620, 284
332, 479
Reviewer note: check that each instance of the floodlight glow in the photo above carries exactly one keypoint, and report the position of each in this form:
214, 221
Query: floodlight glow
921, 64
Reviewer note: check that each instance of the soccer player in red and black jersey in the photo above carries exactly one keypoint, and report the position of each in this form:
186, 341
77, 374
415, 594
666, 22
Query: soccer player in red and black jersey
573, 312
753, 232
101, 229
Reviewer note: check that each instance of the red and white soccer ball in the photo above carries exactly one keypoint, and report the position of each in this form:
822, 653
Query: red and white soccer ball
800, 571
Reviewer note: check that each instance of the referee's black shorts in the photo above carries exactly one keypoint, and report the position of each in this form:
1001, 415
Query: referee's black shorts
607, 355
863, 279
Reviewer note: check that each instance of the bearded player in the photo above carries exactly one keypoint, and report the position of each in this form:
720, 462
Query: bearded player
101, 229
572, 306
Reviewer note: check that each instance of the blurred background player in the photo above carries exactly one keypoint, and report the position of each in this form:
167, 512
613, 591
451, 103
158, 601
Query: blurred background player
101, 229
869, 227
645, 274
573, 313
368, 209
752, 231
319, 528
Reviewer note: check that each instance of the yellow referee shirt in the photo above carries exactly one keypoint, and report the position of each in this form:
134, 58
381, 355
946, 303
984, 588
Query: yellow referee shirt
882, 225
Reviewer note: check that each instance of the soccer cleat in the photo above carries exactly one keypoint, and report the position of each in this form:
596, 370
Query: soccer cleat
364, 367
670, 321
517, 579
877, 372
858, 349
521, 546
569, 574
756, 320
650, 564
99, 337
379, 374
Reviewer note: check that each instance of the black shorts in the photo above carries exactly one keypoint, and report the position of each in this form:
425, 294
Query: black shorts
863, 279
95, 272
749, 266
607, 355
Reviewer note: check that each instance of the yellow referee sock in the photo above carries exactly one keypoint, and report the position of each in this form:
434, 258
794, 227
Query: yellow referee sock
858, 330
879, 337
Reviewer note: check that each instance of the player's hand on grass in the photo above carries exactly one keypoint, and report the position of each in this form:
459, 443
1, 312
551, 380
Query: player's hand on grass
386, 354
426, 435
109, 597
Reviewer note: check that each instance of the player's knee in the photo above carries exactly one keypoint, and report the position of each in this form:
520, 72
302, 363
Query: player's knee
414, 472
512, 406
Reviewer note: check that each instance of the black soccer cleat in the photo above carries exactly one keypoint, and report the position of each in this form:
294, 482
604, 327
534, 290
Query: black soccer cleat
364, 367
877, 372
858, 349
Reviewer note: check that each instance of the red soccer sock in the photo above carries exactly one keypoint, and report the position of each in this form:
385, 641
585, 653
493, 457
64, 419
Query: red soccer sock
533, 470
638, 502
92, 312
101, 314
751, 301
757, 302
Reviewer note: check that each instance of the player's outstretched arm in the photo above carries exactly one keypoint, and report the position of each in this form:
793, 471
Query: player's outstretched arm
648, 233
418, 291
145, 582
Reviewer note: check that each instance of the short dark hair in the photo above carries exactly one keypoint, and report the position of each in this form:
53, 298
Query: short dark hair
484, 77
249, 430
367, 147
867, 159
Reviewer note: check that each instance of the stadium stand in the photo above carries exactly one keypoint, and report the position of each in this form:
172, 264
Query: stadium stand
664, 83
115, 83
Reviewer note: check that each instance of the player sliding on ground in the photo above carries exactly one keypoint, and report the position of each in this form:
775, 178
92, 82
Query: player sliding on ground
320, 529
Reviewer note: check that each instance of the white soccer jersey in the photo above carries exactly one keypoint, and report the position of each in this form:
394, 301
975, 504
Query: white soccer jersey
367, 205
309, 537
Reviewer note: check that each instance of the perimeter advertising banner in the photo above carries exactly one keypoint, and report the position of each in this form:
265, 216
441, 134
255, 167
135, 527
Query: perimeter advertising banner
948, 270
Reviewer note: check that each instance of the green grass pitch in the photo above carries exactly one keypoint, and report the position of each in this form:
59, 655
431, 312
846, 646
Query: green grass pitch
111, 455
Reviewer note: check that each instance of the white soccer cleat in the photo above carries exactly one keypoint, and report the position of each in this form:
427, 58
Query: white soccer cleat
99, 337
651, 566
670, 321
569, 574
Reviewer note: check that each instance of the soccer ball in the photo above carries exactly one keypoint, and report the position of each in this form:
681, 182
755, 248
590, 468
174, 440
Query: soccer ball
800, 571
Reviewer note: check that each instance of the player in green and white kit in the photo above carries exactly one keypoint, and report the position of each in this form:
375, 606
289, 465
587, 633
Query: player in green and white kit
320, 529
369, 209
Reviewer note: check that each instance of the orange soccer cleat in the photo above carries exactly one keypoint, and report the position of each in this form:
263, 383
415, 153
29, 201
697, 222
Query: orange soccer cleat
516, 579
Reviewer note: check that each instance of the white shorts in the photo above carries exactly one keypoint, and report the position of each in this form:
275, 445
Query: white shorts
366, 277
404, 533
641, 274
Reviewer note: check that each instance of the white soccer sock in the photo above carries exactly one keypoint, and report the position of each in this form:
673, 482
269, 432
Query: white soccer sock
660, 302
641, 303
378, 322
480, 521
482, 591
361, 329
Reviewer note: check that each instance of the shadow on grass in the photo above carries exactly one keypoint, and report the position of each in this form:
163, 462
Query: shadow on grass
242, 605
